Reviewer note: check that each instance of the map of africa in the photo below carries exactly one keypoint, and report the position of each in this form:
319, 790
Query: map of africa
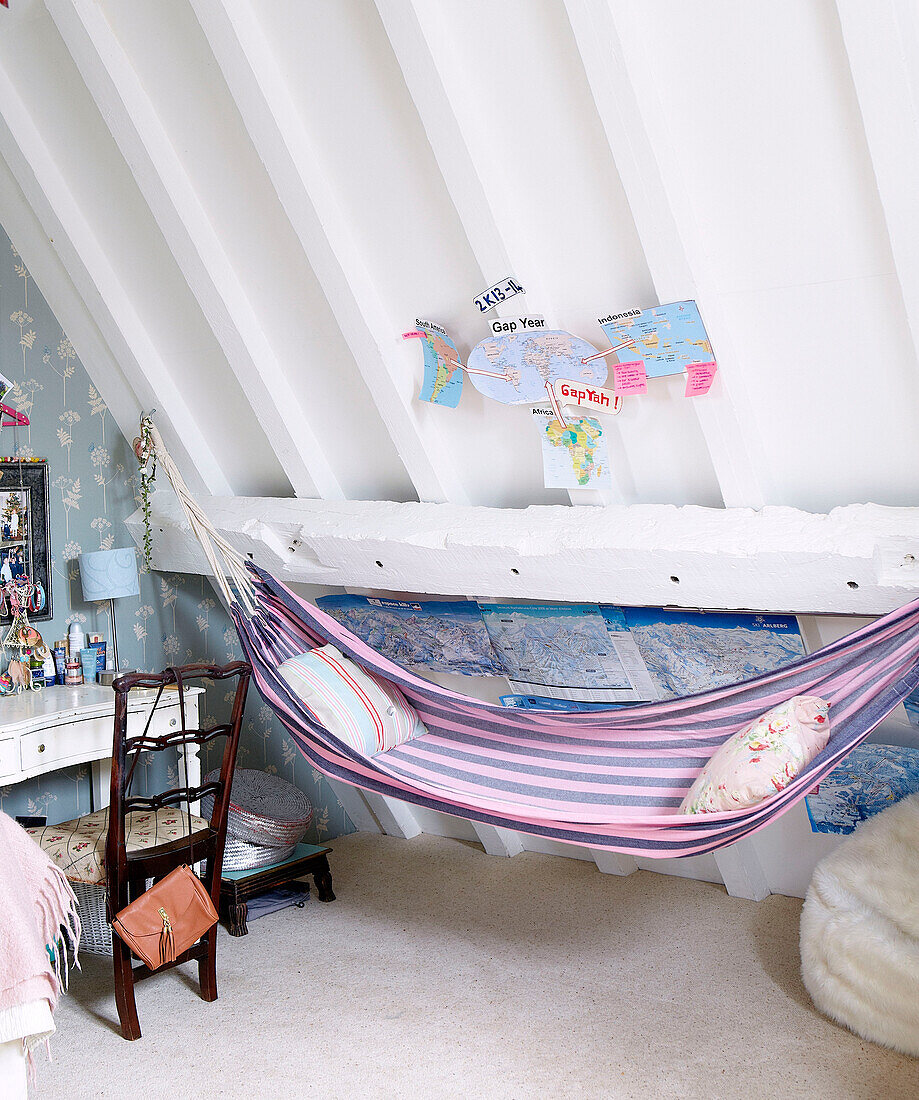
443, 378
515, 369
440, 636
688, 652
667, 338
575, 455
871, 778
563, 651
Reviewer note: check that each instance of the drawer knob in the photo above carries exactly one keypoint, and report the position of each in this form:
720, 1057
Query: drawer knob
41, 748
174, 722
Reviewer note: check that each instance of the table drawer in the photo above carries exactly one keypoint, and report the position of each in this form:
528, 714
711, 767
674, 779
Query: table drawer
9, 758
85, 740
165, 719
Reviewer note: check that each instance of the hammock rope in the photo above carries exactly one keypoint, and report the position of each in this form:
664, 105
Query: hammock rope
606, 779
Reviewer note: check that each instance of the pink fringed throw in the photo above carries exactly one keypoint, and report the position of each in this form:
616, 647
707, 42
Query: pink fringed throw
39, 919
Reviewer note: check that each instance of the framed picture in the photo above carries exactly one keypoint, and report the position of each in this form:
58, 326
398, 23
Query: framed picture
25, 534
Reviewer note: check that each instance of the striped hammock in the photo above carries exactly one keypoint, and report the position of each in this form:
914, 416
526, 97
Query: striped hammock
606, 779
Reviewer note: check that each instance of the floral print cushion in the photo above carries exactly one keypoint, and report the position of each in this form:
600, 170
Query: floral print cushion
762, 758
78, 846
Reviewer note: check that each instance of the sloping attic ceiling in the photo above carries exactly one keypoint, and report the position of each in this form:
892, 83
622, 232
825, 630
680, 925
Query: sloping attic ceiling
236, 208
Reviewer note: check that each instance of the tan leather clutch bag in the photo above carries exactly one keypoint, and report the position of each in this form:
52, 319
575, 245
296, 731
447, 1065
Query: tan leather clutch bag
167, 919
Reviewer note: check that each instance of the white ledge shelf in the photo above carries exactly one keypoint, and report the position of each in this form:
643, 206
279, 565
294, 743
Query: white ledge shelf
862, 559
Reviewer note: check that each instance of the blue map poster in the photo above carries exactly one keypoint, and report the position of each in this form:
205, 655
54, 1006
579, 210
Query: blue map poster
687, 652
433, 635
871, 778
666, 338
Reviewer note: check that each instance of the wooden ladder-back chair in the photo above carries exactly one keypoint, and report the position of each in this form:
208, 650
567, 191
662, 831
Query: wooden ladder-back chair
128, 871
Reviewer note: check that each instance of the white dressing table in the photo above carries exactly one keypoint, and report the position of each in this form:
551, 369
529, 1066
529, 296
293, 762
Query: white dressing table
58, 727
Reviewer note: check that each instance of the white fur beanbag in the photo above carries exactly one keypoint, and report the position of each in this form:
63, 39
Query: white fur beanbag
860, 930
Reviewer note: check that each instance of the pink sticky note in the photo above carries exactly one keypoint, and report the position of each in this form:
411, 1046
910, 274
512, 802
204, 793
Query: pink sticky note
411, 335
699, 378
630, 378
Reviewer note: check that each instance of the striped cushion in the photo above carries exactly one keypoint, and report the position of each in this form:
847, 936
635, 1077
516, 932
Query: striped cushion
366, 712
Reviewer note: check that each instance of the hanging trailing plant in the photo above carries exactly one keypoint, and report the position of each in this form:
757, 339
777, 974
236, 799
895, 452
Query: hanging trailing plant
146, 456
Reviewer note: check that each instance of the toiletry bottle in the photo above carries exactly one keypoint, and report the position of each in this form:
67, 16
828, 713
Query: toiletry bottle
60, 659
75, 640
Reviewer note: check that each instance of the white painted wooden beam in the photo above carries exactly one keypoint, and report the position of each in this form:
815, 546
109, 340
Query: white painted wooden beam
66, 225
739, 866
180, 215
859, 560
500, 248
497, 841
289, 153
636, 130
882, 44
355, 805
44, 264
396, 818
465, 186
613, 863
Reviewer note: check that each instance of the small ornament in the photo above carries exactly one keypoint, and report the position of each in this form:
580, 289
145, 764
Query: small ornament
18, 673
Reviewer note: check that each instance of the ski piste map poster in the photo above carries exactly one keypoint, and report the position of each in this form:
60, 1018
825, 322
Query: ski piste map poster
567, 651
687, 652
667, 338
432, 635
871, 778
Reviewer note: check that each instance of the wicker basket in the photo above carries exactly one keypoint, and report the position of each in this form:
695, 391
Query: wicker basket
268, 818
96, 935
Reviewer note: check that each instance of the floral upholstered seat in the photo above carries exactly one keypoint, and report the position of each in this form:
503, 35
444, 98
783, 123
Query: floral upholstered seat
78, 846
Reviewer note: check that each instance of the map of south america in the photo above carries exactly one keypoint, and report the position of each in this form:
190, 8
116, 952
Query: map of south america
443, 378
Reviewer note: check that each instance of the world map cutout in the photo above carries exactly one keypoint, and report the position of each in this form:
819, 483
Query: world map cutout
521, 368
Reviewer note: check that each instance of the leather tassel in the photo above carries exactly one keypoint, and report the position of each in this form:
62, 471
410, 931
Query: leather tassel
167, 945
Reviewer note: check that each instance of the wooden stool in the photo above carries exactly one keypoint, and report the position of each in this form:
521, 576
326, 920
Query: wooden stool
236, 887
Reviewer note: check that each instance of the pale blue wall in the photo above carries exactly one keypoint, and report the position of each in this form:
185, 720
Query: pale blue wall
176, 619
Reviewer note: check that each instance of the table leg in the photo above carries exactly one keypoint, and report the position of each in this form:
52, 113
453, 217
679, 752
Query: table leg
100, 783
236, 919
190, 767
322, 876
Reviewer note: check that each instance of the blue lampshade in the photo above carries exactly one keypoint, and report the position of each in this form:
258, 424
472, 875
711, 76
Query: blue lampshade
109, 574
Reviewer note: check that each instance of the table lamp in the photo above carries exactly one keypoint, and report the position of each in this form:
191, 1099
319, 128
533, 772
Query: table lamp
109, 575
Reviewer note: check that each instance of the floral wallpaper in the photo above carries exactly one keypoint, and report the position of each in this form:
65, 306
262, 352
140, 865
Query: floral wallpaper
93, 486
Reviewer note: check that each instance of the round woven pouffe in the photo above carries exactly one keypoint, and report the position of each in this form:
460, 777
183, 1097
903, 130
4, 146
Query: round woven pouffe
860, 930
268, 818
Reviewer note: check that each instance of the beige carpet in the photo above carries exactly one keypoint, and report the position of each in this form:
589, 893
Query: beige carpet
442, 972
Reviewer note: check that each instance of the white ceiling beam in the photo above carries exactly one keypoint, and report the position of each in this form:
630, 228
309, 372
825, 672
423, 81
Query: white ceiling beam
466, 185
287, 149
158, 170
636, 130
501, 246
859, 560
882, 44
65, 223
44, 265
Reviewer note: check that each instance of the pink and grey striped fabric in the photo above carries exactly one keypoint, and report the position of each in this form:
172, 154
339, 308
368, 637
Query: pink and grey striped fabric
607, 779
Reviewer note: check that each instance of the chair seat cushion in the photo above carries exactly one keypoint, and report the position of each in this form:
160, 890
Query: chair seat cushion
78, 846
